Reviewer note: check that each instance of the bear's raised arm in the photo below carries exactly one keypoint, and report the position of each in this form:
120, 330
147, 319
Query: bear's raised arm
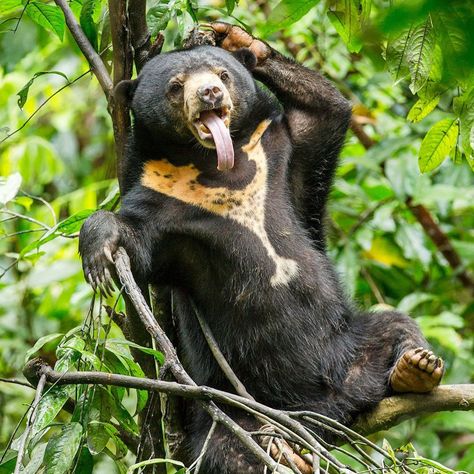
317, 117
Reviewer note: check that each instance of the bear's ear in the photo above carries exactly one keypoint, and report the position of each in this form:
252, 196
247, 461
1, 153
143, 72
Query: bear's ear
246, 58
124, 90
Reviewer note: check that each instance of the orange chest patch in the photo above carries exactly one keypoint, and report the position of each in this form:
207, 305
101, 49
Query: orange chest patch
181, 182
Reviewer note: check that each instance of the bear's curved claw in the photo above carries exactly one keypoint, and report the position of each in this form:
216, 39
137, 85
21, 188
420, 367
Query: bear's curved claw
99, 270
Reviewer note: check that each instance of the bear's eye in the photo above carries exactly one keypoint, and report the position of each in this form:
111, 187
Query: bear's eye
224, 75
175, 86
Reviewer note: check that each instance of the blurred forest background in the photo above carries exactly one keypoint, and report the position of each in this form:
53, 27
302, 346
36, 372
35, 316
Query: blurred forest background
401, 212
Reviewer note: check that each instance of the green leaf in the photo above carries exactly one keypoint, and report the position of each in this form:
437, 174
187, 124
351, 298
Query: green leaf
158, 17
62, 449
420, 54
396, 55
50, 17
347, 18
66, 227
230, 5
463, 106
36, 459
97, 436
8, 6
147, 350
49, 406
85, 463
437, 144
7, 465
111, 199
429, 98
150, 462
23, 93
86, 19
9, 187
68, 353
40, 343
286, 13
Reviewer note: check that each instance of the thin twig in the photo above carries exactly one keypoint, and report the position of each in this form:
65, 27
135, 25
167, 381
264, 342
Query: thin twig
205, 446
17, 382
220, 359
29, 425
25, 123
26, 218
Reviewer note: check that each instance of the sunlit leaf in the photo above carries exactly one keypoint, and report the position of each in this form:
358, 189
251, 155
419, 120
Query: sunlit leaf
49, 17
9, 187
429, 98
42, 341
23, 93
287, 12
437, 144
346, 18
7, 6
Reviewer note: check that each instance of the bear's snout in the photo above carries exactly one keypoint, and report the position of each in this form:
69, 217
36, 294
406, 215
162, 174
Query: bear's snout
210, 94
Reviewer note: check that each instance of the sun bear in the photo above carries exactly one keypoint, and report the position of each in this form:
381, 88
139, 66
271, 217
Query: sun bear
225, 195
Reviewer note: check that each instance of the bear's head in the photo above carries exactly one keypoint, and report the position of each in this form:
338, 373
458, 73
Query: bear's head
198, 94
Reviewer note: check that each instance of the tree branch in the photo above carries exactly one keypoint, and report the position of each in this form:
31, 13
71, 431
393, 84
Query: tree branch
393, 410
122, 70
141, 40
96, 63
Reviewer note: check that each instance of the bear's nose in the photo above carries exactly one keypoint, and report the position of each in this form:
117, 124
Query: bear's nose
210, 94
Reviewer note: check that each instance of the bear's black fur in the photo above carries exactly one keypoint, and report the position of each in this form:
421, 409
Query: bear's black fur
268, 292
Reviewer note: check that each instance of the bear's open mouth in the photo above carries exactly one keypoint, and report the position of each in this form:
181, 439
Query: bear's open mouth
212, 127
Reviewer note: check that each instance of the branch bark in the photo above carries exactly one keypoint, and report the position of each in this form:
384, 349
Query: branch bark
141, 40
96, 63
122, 70
393, 410
390, 411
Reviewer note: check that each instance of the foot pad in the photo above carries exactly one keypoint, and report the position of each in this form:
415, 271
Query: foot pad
418, 370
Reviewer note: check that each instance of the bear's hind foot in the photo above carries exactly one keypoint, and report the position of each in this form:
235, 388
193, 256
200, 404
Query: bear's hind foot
418, 370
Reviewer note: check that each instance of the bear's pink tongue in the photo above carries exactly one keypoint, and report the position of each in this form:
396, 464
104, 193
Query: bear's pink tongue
221, 135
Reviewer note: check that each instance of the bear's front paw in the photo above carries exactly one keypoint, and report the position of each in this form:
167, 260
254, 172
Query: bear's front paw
99, 239
99, 267
233, 38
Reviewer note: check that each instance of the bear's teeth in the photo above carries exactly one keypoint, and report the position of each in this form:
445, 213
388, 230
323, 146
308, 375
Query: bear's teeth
204, 128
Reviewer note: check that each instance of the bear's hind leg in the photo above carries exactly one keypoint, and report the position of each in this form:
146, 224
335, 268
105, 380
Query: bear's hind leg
417, 370
394, 357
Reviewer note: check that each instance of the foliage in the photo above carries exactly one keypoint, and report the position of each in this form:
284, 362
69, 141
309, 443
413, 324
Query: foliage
408, 69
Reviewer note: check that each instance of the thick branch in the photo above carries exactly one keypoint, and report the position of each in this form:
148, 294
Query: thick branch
139, 32
390, 412
122, 70
393, 410
96, 63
